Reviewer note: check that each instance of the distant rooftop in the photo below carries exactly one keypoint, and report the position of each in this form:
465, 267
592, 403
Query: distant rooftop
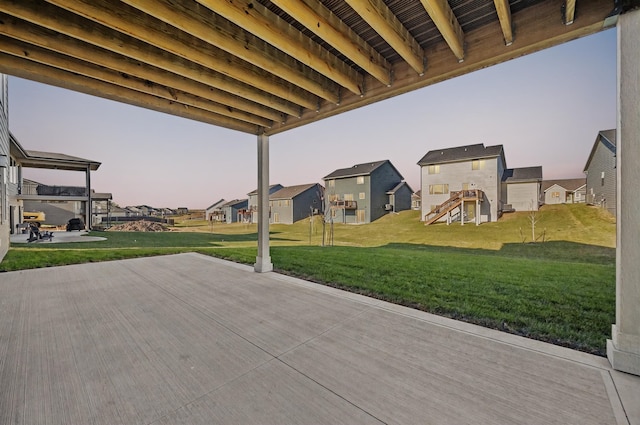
524, 174
461, 153
363, 169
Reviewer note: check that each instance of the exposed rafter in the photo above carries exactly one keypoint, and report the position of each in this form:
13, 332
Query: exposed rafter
319, 20
264, 66
140, 28
385, 23
569, 11
56, 77
236, 41
504, 14
448, 25
258, 20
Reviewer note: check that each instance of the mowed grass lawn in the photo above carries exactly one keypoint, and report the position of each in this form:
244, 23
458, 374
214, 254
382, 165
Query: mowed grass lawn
561, 291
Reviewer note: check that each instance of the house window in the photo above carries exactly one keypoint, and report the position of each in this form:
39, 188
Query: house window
602, 179
466, 186
360, 179
287, 202
477, 164
361, 195
348, 196
434, 169
331, 183
438, 189
360, 216
555, 194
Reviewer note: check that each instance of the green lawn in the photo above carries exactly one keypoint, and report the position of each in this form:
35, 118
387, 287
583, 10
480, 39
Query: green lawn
561, 291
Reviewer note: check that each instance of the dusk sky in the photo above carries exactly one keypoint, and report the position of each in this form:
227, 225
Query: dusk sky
545, 108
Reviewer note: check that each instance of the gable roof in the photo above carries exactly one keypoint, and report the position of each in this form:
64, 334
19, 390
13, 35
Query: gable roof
358, 170
608, 139
398, 187
272, 189
234, 203
570, 185
216, 204
291, 192
462, 153
521, 175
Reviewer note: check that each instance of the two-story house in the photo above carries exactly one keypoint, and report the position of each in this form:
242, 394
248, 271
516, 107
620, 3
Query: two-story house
232, 210
250, 214
365, 192
473, 183
601, 171
293, 203
214, 211
464, 168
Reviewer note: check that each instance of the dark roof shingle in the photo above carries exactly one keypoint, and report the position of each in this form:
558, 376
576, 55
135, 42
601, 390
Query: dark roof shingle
525, 174
291, 192
357, 170
461, 153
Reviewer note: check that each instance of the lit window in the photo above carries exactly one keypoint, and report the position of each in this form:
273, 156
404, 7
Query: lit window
360, 180
434, 169
438, 189
466, 186
348, 196
477, 164
331, 183
555, 194
361, 195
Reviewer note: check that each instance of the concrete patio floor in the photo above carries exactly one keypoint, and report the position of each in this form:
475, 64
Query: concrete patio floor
189, 339
59, 236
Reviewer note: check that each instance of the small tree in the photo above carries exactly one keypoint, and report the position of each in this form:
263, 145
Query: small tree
533, 217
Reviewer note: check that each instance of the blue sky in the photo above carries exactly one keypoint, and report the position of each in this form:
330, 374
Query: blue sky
545, 108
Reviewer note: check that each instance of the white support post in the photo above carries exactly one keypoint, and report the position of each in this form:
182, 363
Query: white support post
477, 211
623, 349
88, 211
462, 213
263, 260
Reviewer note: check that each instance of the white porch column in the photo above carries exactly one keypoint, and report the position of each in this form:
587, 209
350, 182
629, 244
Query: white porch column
462, 213
88, 215
623, 349
263, 260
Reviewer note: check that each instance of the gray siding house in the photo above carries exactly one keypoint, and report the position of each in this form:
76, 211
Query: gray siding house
214, 211
361, 194
5, 164
480, 173
232, 210
601, 171
564, 191
472, 167
250, 215
521, 188
294, 203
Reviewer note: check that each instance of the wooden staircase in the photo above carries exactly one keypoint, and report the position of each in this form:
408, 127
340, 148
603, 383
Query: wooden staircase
455, 201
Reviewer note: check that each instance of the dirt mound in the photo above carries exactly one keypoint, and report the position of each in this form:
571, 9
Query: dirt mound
140, 226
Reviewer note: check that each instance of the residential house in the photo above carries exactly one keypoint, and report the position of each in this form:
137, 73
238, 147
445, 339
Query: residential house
6, 169
365, 192
473, 183
233, 210
214, 211
251, 213
564, 191
416, 201
293, 203
521, 188
601, 171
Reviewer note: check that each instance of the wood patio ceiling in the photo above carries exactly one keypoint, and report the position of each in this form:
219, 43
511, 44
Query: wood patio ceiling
266, 66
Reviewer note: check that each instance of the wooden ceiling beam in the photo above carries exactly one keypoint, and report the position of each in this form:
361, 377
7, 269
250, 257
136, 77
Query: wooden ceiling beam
66, 63
260, 21
200, 21
504, 15
387, 25
539, 27
314, 16
146, 35
448, 25
24, 68
569, 11
67, 46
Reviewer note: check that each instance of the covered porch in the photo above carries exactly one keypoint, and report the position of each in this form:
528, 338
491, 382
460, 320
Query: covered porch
189, 339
